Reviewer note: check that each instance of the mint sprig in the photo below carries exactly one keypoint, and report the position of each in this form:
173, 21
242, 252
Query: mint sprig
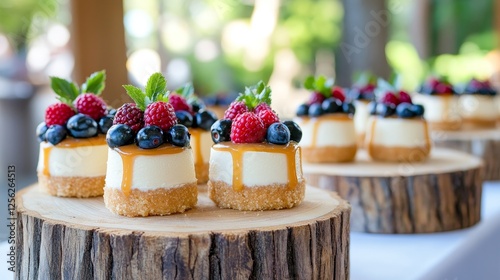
95, 83
319, 84
364, 78
68, 91
155, 90
254, 95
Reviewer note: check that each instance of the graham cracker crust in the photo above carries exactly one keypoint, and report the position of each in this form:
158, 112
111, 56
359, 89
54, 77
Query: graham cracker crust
201, 173
399, 154
157, 202
329, 154
272, 197
444, 125
81, 187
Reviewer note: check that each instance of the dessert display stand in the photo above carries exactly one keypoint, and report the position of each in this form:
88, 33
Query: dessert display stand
440, 194
483, 143
80, 239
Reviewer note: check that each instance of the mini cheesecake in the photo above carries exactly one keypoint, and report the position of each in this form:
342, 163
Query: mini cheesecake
478, 106
361, 94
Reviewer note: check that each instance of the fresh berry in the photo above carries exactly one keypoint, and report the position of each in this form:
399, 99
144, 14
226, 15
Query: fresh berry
221, 131
205, 119
81, 126
443, 88
105, 123
149, 137
372, 108
184, 117
278, 133
404, 97
385, 110
338, 92
58, 113
247, 128
295, 131
390, 98
348, 108
55, 134
261, 107
111, 112
41, 129
119, 135
179, 103
197, 105
130, 115
268, 117
91, 105
315, 110
236, 108
161, 114
418, 110
303, 110
316, 98
404, 110
178, 135
331, 105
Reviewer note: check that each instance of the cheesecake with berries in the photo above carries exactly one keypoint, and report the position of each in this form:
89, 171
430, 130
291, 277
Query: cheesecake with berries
440, 100
361, 94
327, 125
150, 169
192, 113
73, 150
255, 163
397, 131
478, 107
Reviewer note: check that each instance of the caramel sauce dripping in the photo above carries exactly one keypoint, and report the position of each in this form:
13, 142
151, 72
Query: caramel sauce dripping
238, 150
68, 143
318, 120
130, 152
196, 145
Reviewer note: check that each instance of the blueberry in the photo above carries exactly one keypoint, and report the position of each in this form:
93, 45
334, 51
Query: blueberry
278, 133
149, 137
81, 126
303, 110
184, 118
119, 135
178, 135
55, 134
40, 131
221, 131
205, 119
197, 105
315, 110
332, 105
418, 110
348, 108
111, 112
295, 131
404, 110
385, 110
372, 108
105, 123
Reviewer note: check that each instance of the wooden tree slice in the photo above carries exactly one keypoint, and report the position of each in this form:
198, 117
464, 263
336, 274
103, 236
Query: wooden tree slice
483, 143
80, 239
440, 194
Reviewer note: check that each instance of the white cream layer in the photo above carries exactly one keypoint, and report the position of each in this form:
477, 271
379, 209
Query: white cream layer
205, 145
330, 132
259, 168
439, 108
396, 132
84, 161
152, 172
478, 107
361, 116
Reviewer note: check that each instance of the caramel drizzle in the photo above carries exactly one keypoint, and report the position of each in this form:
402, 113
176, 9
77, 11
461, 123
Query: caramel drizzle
196, 145
68, 143
238, 150
317, 121
130, 152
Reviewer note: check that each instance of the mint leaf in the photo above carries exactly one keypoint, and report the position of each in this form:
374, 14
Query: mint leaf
186, 91
156, 86
137, 95
66, 91
309, 83
95, 83
384, 85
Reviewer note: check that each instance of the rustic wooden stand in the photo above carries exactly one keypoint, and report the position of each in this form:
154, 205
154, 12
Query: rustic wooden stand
483, 143
440, 194
80, 239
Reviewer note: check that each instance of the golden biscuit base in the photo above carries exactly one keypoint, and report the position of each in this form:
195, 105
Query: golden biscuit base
201, 173
272, 197
81, 187
445, 125
156, 202
329, 154
479, 123
398, 154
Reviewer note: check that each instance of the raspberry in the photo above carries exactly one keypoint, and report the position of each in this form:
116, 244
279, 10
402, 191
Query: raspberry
316, 97
338, 93
390, 98
179, 103
404, 97
260, 107
247, 128
91, 105
130, 115
235, 108
268, 117
58, 113
161, 114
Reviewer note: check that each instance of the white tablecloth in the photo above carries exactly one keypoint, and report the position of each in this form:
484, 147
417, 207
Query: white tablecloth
472, 253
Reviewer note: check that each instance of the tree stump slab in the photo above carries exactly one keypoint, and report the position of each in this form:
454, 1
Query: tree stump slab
68, 238
483, 143
440, 194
